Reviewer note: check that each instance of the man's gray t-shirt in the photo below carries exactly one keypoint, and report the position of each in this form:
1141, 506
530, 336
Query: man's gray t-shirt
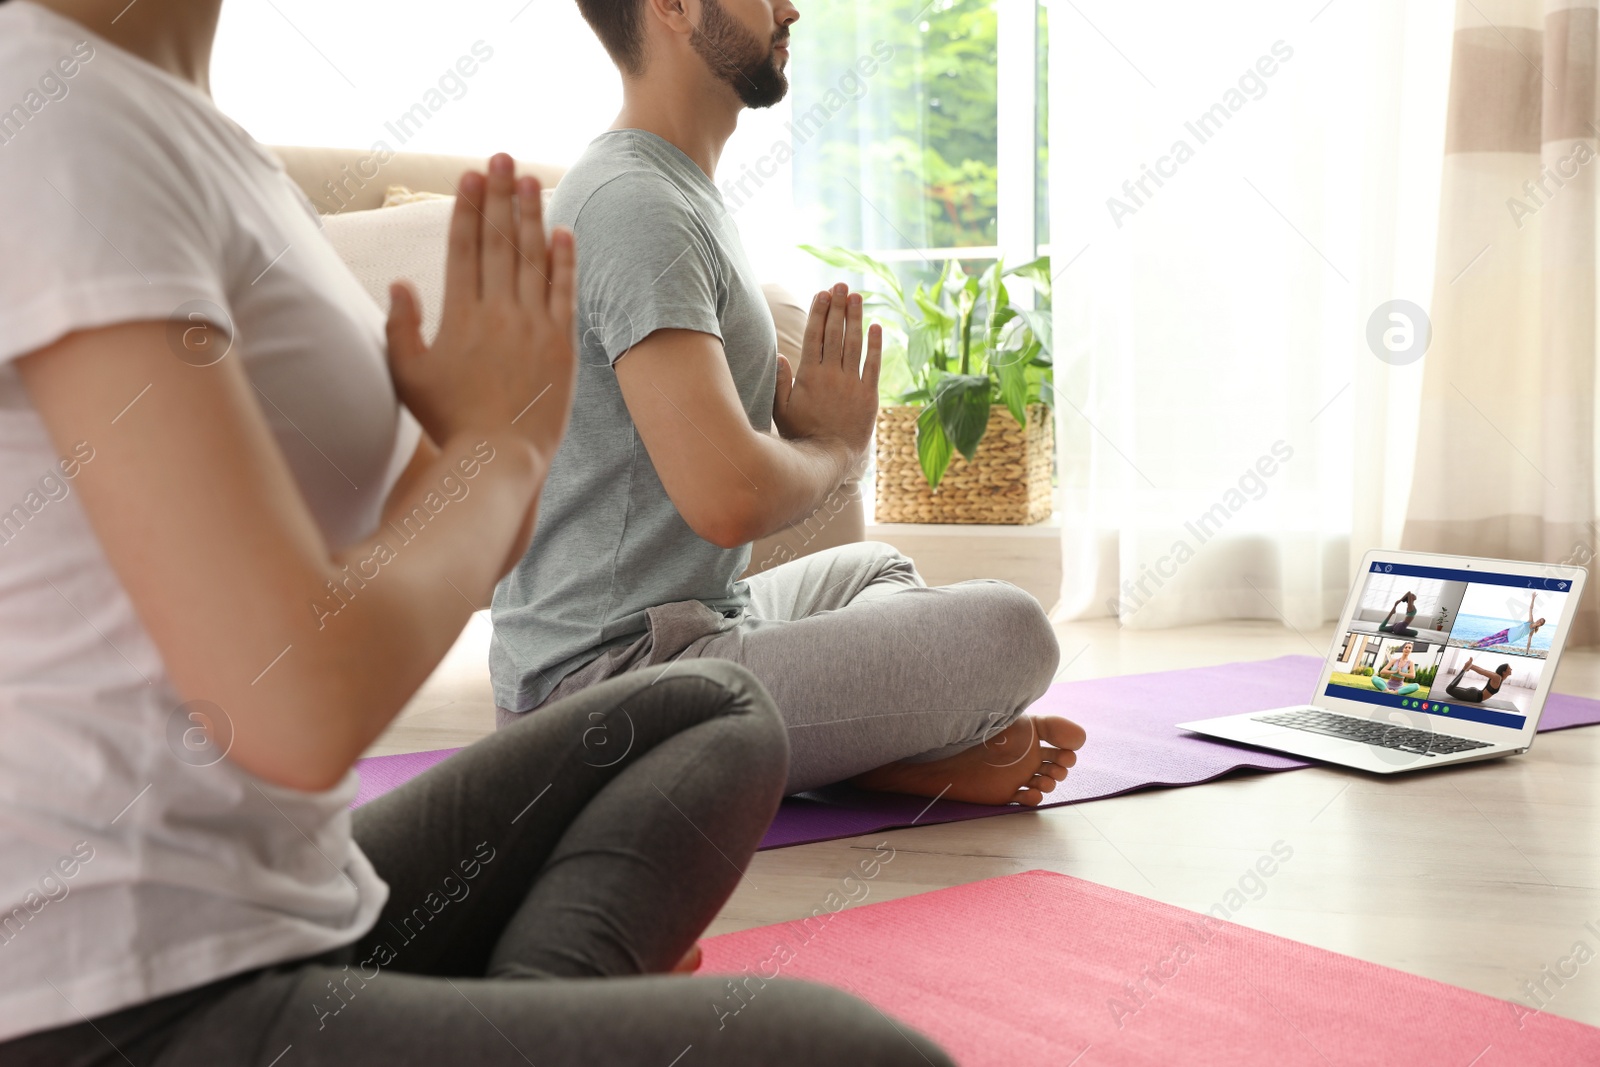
656, 250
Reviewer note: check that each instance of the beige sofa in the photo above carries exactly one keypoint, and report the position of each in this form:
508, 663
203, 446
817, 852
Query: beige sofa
339, 181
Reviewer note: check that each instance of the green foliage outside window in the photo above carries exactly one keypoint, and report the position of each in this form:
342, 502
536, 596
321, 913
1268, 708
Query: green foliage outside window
918, 139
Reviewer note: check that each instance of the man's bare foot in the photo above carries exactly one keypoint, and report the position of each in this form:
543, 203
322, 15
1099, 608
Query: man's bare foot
1019, 765
690, 962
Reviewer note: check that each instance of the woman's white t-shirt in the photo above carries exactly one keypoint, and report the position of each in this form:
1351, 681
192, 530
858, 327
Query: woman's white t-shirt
133, 864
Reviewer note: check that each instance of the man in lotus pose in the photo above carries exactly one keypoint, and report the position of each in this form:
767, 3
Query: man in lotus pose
669, 469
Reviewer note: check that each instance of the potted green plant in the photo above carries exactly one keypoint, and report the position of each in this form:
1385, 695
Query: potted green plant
964, 433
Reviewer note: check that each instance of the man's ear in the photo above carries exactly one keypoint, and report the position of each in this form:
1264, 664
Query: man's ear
673, 14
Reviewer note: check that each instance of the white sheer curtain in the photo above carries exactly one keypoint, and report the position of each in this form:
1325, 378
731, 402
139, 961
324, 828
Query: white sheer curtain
1228, 439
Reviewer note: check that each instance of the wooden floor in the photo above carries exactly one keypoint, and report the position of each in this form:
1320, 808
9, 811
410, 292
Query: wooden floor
1482, 876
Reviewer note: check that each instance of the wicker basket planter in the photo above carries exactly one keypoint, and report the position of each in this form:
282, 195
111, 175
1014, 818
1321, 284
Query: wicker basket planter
1008, 482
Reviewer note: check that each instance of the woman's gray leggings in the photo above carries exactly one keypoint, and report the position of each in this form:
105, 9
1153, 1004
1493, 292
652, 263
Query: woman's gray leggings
541, 883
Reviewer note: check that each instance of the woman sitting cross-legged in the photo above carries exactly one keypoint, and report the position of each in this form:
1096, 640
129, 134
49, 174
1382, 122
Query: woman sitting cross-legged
234, 556
1398, 673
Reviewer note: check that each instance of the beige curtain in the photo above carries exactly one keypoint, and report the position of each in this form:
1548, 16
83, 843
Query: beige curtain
1506, 439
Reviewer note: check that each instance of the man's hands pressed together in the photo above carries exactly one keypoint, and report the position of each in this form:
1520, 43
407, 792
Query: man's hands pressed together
833, 396
730, 482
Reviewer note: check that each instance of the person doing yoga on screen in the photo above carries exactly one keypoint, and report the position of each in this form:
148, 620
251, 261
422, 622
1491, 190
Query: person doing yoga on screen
1522, 631
1404, 628
1397, 674
1496, 678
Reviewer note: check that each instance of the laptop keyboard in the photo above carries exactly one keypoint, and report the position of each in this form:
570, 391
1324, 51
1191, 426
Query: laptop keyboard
1370, 732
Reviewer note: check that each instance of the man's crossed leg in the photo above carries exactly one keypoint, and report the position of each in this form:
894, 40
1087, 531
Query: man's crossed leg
881, 679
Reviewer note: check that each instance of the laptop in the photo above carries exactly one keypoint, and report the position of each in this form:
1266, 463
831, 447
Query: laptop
1437, 660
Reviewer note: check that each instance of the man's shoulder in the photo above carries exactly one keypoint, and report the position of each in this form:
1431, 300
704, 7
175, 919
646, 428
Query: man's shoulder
613, 176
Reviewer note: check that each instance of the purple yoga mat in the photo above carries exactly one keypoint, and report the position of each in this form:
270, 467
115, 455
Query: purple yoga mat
1133, 744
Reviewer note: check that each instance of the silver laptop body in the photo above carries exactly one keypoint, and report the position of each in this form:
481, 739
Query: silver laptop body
1437, 660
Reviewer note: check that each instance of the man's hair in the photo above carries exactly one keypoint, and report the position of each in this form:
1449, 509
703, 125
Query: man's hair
620, 26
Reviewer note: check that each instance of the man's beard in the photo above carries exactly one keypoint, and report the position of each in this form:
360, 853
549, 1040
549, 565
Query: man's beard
738, 57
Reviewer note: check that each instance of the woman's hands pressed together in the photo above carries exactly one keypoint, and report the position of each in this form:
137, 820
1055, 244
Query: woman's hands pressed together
503, 360
199, 511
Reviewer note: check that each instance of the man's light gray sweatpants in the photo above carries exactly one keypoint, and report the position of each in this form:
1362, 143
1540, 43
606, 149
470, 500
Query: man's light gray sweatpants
867, 663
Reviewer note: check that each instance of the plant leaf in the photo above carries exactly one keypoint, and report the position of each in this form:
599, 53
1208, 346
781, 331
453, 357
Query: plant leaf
963, 404
933, 448
952, 279
1038, 273
1001, 345
932, 311
994, 289
920, 346
861, 263
989, 276
1013, 374
1041, 325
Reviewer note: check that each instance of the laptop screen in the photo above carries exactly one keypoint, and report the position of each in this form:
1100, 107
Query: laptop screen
1467, 644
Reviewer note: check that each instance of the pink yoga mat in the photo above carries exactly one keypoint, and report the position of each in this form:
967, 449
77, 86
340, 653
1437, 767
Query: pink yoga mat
1134, 743
1042, 968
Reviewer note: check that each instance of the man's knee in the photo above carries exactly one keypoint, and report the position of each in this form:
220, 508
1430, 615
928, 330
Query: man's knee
877, 557
1023, 639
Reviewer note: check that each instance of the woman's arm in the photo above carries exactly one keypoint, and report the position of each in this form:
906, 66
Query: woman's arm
199, 515
425, 453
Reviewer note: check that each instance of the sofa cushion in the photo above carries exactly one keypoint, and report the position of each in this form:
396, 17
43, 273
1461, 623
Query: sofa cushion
789, 316
402, 242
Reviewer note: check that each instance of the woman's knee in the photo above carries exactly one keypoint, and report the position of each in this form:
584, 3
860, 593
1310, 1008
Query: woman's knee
737, 695
819, 1024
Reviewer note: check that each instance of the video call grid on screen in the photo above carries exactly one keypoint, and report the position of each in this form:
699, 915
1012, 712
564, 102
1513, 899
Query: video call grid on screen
1451, 618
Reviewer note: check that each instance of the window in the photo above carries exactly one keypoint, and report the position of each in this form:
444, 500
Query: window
940, 151
914, 130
